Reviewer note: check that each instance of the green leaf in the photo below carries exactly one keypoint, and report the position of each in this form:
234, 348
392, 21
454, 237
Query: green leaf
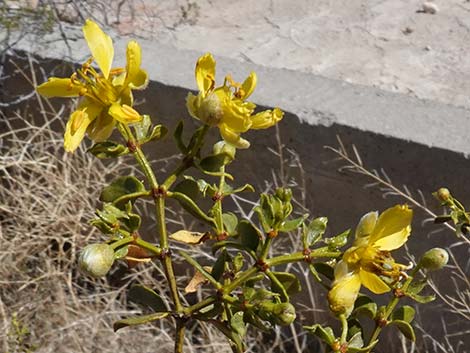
147, 298
416, 287
195, 138
366, 306
230, 221
422, 299
142, 128
326, 334
246, 187
102, 226
289, 281
314, 231
178, 135
200, 268
219, 266
121, 252
189, 205
238, 262
122, 186
233, 336
288, 226
354, 326
404, 313
133, 222
249, 236
238, 324
214, 162
324, 269
108, 149
366, 349
405, 328
158, 132
251, 318
338, 241
210, 311
356, 341
265, 212
110, 214
139, 320
188, 187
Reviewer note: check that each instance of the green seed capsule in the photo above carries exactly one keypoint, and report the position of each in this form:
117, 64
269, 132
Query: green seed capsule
96, 260
434, 259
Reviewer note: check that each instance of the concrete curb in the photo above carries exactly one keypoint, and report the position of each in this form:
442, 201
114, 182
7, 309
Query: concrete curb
315, 100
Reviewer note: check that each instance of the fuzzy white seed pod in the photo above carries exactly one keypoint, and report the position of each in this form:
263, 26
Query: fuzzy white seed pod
96, 260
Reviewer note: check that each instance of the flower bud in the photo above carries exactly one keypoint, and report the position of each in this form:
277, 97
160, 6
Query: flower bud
224, 147
434, 259
284, 194
443, 194
284, 314
96, 260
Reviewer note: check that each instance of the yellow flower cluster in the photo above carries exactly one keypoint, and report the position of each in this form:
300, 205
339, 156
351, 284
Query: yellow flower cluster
368, 262
107, 95
226, 106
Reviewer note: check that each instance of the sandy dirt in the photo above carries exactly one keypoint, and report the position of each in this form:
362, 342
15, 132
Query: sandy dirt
389, 44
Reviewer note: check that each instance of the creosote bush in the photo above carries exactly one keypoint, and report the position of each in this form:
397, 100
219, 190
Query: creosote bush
248, 288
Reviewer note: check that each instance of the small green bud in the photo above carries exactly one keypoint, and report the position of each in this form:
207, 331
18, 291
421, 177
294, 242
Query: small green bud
434, 259
443, 194
96, 259
284, 313
284, 194
224, 147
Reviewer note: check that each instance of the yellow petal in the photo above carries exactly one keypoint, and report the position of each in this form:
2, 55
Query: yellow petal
126, 97
341, 270
366, 225
101, 46
124, 113
101, 128
392, 228
59, 87
136, 77
75, 129
266, 119
192, 104
373, 282
344, 293
232, 137
237, 114
248, 86
205, 73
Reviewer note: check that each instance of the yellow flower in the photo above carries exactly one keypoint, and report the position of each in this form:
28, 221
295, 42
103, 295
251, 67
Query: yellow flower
368, 262
225, 106
107, 96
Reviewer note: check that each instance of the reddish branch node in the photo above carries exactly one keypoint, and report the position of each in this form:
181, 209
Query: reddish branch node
217, 197
222, 236
398, 293
307, 257
159, 192
262, 265
133, 145
166, 252
381, 322
272, 233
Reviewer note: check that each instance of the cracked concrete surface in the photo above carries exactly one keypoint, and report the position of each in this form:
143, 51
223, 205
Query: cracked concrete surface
386, 44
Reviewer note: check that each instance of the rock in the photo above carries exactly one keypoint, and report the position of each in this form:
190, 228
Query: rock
430, 8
